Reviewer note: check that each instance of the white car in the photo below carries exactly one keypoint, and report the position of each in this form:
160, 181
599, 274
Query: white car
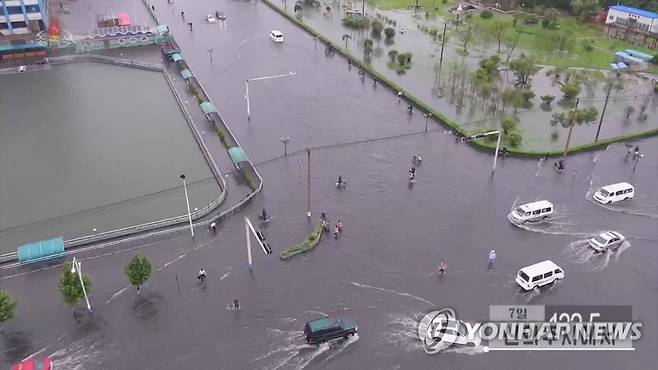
21, 69
605, 240
276, 36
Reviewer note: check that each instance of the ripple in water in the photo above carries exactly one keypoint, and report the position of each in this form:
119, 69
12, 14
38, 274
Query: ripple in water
581, 253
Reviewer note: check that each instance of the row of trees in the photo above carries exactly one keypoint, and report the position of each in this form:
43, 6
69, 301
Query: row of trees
137, 272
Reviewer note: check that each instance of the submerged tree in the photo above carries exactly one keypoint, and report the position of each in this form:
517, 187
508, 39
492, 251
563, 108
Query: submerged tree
523, 67
7, 307
138, 271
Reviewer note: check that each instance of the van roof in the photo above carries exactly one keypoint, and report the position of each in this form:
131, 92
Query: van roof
535, 205
321, 324
540, 268
617, 186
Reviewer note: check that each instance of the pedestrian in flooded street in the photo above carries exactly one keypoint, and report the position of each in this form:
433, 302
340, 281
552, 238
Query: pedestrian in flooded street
492, 258
442, 267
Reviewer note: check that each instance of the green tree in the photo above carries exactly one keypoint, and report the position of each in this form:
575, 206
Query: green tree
389, 32
571, 89
377, 28
393, 54
523, 67
628, 111
138, 271
550, 18
402, 59
517, 98
583, 9
514, 139
467, 35
547, 99
70, 287
7, 307
509, 124
497, 29
486, 14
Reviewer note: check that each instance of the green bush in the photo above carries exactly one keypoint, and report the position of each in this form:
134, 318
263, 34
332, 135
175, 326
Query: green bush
377, 28
389, 32
486, 14
509, 125
393, 54
222, 138
514, 138
571, 89
356, 21
530, 19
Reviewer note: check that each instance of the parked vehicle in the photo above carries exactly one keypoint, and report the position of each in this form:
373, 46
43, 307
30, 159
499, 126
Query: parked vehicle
539, 274
323, 330
276, 36
606, 240
532, 211
615, 193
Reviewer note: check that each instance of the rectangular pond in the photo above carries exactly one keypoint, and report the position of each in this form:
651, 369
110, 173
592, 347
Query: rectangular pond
89, 145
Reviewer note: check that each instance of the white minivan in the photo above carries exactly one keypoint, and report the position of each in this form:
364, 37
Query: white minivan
539, 274
615, 193
532, 211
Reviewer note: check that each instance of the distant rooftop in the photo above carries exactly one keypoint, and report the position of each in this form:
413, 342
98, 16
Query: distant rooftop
636, 11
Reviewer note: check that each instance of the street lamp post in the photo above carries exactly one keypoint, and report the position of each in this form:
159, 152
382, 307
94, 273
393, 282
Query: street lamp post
187, 200
637, 158
77, 266
428, 115
285, 141
210, 50
289, 74
485, 134
308, 183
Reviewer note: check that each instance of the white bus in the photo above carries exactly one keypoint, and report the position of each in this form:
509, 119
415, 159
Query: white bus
615, 193
532, 211
539, 274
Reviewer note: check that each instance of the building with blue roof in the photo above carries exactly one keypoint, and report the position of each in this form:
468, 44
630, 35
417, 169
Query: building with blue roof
642, 20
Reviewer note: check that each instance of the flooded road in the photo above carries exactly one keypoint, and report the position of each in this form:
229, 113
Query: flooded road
382, 270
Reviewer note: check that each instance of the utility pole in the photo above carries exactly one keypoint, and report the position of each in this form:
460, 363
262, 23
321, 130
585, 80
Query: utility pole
573, 123
605, 105
308, 183
443, 43
428, 115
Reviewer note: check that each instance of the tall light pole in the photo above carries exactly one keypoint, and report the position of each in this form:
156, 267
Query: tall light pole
210, 50
428, 115
187, 200
289, 74
77, 266
308, 183
261, 241
637, 158
485, 134
285, 141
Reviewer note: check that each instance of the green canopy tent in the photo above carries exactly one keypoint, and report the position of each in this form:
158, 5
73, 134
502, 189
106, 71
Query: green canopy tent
237, 156
176, 57
186, 73
208, 108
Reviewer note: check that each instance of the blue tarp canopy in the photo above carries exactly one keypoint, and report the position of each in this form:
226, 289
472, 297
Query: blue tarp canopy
186, 73
237, 155
41, 250
162, 29
176, 57
208, 108
639, 54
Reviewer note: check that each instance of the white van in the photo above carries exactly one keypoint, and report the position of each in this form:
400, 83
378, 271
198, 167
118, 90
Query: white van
532, 211
539, 274
615, 193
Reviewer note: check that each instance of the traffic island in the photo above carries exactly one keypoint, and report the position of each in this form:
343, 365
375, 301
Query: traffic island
308, 244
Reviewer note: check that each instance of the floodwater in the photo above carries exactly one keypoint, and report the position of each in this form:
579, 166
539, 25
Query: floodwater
86, 146
421, 78
382, 270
